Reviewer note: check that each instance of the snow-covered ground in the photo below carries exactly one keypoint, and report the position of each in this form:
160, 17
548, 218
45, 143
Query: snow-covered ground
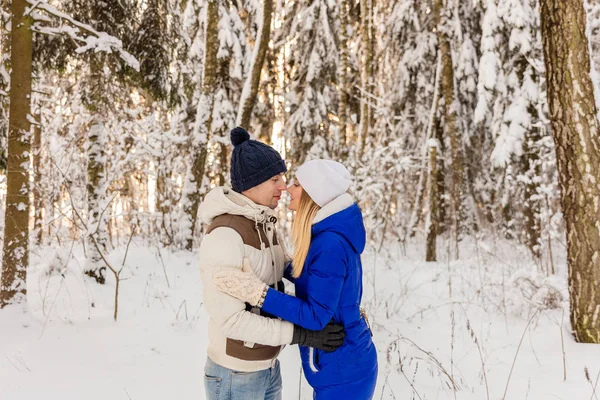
486, 326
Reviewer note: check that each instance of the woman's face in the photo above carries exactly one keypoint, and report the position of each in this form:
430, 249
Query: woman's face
295, 190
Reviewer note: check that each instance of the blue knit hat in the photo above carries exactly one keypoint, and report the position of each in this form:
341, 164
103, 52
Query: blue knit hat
252, 162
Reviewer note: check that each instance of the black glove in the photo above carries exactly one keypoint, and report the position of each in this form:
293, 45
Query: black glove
329, 339
280, 286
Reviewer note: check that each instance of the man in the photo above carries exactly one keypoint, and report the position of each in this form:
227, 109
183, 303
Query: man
243, 343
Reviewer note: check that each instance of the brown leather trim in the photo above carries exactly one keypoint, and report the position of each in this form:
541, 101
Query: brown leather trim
245, 227
260, 352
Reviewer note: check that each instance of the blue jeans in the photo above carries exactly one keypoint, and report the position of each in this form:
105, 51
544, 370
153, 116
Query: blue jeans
222, 383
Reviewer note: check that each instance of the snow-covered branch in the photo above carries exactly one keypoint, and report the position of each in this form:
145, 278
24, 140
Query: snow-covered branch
90, 38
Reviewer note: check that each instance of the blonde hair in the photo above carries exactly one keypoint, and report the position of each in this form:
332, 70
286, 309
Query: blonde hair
301, 231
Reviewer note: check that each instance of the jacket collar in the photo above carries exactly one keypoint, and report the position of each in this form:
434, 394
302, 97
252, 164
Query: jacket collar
336, 205
224, 200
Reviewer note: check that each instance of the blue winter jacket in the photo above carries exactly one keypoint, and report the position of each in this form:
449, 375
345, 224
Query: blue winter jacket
330, 286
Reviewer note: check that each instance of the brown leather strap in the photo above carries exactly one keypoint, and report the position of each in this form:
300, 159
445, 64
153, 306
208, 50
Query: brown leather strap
245, 227
260, 352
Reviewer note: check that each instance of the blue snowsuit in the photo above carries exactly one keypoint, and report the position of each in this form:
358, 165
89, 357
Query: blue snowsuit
331, 286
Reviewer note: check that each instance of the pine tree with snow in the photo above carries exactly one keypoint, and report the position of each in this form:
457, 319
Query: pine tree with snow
511, 82
312, 67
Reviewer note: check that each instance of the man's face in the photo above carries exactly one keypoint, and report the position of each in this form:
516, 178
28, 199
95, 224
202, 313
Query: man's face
267, 193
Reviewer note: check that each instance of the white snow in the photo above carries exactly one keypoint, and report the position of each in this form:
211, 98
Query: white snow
433, 323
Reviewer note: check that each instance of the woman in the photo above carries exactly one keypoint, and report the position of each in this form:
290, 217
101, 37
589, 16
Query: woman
329, 236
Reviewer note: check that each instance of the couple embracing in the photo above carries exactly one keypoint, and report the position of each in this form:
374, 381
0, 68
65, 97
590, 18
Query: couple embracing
243, 261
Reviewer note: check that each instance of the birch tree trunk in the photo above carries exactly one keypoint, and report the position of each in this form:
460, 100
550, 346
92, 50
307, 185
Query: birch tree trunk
577, 140
96, 188
16, 232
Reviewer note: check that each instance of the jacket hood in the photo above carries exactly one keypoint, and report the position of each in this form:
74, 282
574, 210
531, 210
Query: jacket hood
224, 200
343, 217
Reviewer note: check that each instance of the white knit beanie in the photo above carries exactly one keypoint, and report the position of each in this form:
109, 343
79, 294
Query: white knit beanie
324, 180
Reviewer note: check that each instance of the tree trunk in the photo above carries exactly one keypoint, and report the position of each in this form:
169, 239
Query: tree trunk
95, 202
269, 90
38, 201
367, 71
457, 171
136, 193
572, 112
372, 64
4, 79
198, 167
223, 164
432, 223
343, 80
261, 45
207, 101
441, 179
530, 168
432, 125
531, 205
16, 232
163, 203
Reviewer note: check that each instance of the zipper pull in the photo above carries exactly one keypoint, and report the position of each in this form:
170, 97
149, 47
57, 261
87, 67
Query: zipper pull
364, 315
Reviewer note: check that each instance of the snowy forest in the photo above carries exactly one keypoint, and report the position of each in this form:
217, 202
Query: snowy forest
471, 128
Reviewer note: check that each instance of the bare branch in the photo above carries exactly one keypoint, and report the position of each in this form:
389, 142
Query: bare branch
128, 243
